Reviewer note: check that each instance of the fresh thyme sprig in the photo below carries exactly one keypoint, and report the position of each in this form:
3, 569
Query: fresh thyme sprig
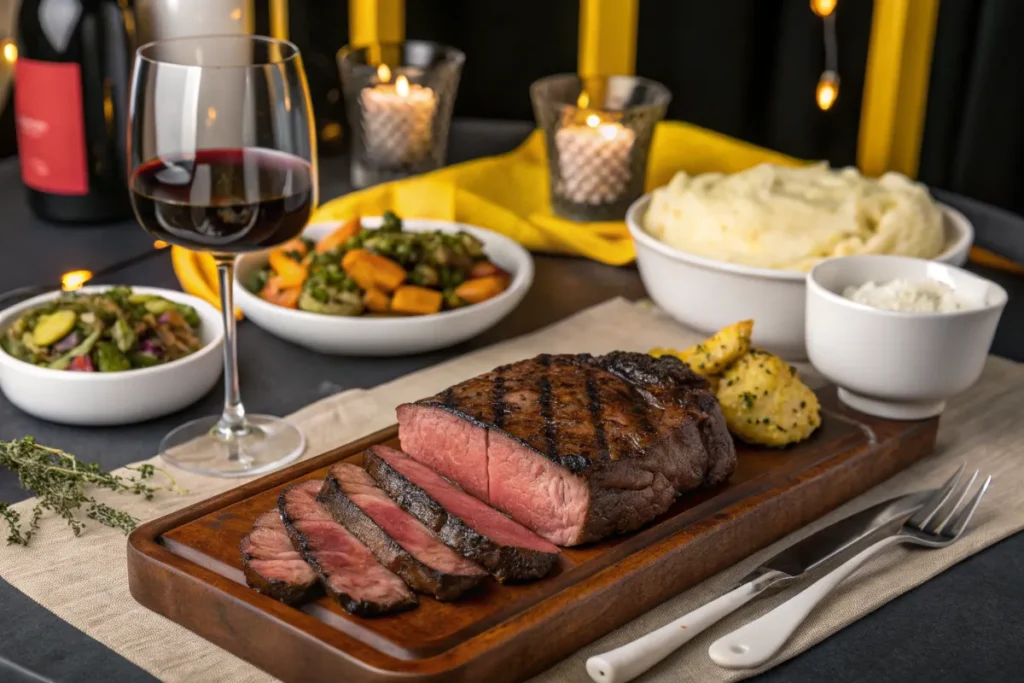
59, 480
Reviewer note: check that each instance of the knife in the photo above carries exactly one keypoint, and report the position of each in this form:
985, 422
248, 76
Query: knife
632, 659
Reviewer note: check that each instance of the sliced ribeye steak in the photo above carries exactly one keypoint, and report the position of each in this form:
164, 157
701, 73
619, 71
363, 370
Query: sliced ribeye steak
349, 572
575, 447
399, 541
272, 565
508, 550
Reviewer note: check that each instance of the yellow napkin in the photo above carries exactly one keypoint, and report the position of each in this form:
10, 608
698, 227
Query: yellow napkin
509, 193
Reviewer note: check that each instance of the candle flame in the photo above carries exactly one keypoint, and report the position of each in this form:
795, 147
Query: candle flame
593, 120
823, 8
583, 101
383, 73
828, 90
74, 280
402, 86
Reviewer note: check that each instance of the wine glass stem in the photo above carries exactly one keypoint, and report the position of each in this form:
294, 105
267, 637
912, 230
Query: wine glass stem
232, 420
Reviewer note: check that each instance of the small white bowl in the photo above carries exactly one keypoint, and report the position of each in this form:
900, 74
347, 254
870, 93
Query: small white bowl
897, 365
390, 336
707, 295
114, 398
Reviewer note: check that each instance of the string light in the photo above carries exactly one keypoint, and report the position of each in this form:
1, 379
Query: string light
828, 90
823, 8
828, 83
69, 282
10, 51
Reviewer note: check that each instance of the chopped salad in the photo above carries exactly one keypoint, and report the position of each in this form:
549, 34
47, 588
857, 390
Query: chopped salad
110, 331
355, 271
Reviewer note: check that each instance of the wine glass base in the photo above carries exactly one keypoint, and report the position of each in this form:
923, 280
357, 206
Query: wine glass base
266, 444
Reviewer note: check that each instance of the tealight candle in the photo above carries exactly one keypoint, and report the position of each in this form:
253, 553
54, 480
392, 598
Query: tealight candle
594, 160
398, 119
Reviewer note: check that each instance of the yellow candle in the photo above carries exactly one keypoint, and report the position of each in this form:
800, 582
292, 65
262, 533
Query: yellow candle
398, 120
594, 160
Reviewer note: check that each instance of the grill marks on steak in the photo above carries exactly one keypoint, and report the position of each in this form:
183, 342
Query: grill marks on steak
509, 551
399, 541
345, 567
272, 565
575, 447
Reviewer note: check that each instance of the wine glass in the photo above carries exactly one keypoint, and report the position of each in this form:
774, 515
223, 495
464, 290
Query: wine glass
223, 160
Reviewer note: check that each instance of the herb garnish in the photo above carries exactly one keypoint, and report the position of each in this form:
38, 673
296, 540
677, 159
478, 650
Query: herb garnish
59, 481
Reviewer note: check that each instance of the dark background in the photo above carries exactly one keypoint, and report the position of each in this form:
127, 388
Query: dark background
746, 68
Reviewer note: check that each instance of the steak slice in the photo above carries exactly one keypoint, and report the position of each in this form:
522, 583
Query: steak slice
508, 550
272, 566
398, 540
349, 572
575, 447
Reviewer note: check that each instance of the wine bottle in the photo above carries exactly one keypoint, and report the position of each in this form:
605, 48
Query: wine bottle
71, 85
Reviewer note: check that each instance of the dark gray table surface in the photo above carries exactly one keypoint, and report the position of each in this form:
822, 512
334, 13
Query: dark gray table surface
964, 625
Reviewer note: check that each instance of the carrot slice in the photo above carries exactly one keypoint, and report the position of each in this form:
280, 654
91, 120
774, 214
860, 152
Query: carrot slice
341, 234
362, 273
416, 300
376, 300
387, 274
296, 245
274, 292
292, 273
481, 288
483, 269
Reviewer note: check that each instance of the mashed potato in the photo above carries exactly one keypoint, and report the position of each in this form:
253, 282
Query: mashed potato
789, 218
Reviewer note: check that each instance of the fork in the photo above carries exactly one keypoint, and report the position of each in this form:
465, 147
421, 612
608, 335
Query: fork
939, 522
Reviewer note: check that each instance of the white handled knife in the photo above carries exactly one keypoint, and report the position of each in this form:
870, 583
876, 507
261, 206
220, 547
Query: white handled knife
632, 659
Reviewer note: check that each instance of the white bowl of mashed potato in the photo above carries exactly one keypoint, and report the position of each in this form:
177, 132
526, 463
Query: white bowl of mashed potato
715, 248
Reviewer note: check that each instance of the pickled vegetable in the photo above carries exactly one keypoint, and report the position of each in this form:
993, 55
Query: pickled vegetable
51, 328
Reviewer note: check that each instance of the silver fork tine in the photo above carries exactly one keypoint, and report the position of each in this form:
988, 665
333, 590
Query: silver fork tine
952, 506
932, 505
965, 515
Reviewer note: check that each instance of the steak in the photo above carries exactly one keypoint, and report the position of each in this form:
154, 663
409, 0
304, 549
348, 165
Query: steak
349, 572
396, 538
575, 447
272, 566
508, 550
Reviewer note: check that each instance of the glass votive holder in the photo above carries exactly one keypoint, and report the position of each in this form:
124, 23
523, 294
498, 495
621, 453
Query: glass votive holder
399, 99
598, 133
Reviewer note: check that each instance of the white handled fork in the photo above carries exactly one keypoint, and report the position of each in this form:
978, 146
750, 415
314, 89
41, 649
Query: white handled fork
939, 522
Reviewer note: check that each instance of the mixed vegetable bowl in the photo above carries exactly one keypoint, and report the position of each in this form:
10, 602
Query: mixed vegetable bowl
109, 331
357, 271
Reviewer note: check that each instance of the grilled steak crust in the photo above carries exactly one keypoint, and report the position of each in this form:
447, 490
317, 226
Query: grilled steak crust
575, 447
509, 551
347, 570
272, 566
396, 539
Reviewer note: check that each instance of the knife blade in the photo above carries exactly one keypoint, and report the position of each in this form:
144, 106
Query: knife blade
632, 659
824, 544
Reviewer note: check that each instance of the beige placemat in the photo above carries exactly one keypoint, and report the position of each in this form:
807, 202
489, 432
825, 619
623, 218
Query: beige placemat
83, 580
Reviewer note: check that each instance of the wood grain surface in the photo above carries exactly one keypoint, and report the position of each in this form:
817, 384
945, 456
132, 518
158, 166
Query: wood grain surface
187, 566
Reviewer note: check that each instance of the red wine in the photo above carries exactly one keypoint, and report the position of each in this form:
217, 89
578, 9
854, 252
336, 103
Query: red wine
71, 106
224, 200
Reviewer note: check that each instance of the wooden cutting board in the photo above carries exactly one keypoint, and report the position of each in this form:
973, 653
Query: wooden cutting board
187, 567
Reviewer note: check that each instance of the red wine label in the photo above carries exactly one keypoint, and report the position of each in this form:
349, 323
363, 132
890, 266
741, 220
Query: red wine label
51, 132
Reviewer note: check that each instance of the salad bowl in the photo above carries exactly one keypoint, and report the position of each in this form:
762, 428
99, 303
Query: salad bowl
114, 398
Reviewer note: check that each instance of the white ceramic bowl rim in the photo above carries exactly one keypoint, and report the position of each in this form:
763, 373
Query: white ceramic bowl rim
8, 315
524, 272
997, 301
636, 229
